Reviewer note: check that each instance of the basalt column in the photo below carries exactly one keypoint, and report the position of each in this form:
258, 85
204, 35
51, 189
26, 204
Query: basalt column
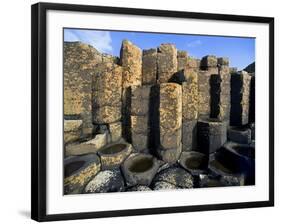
189, 110
166, 62
131, 61
208, 68
252, 100
149, 66
79, 58
240, 93
140, 130
212, 134
170, 122
220, 92
106, 95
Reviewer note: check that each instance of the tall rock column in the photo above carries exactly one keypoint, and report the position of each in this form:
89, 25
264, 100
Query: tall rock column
220, 91
189, 110
182, 60
79, 60
149, 66
167, 63
106, 95
170, 122
224, 74
240, 94
208, 68
131, 61
140, 129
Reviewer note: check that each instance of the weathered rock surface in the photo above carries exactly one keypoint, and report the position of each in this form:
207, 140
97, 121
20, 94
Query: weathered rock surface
166, 62
113, 155
182, 60
79, 59
212, 134
131, 61
239, 135
174, 176
209, 61
194, 162
115, 131
139, 188
72, 130
190, 96
78, 171
240, 93
140, 169
149, 66
189, 135
106, 181
162, 185
107, 90
91, 146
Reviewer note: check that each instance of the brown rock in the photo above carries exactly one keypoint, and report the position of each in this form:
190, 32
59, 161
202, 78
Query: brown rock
149, 66
166, 62
79, 59
131, 60
115, 130
106, 114
190, 96
240, 94
182, 60
72, 130
170, 108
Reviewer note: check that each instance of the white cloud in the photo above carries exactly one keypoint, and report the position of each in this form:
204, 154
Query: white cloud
101, 40
194, 43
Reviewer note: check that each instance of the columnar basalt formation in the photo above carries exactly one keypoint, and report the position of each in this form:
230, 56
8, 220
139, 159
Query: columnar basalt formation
240, 93
78, 58
140, 129
184, 119
131, 61
212, 134
167, 63
224, 74
189, 110
208, 67
149, 66
170, 122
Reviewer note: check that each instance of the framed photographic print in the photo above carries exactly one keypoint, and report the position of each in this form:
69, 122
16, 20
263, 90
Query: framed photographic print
139, 111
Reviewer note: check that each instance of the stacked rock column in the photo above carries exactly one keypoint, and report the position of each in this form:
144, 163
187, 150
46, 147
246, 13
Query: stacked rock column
131, 61
208, 68
170, 122
167, 63
189, 110
240, 94
140, 130
106, 95
79, 58
149, 66
220, 91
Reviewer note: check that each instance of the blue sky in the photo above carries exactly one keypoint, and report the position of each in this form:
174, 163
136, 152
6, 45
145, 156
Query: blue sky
240, 51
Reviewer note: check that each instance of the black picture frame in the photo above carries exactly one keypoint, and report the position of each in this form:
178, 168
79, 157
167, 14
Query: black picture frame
38, 108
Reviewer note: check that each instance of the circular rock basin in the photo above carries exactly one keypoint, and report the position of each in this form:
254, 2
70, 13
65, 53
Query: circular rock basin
114, 154
194, 162
140, 169
78, 170
72, 167
141, 165
248, 151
